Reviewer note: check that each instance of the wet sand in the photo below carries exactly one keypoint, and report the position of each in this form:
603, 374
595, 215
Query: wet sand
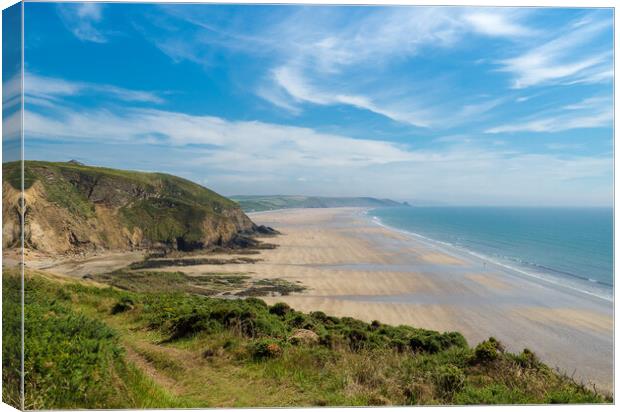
353, 267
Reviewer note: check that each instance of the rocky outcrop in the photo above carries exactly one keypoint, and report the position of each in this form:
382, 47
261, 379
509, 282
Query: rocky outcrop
304, 337
72, 208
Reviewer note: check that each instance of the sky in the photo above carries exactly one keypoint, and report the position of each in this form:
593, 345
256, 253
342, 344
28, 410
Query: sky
434, 105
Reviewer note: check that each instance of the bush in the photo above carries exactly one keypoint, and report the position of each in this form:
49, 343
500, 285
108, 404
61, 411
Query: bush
280, 309
527, 359
399, 344
486, 352
498, 345
453, 339
449, 380
190, 324
266, 348
320, 317
258, 303
298, 320
356, 338
424, 344
327, 340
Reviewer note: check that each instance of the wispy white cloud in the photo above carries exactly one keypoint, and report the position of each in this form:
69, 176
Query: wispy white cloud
300, 90
42, 90
315, 53
379, 39
12, 125
567, 58
596, 102
259, 157
497, 23
589, 113
11, 92
255, 142
81, 19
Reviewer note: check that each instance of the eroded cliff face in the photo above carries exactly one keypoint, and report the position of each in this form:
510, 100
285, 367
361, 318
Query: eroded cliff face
72, 208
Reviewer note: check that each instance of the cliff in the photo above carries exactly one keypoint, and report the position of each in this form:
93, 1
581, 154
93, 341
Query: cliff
73, 208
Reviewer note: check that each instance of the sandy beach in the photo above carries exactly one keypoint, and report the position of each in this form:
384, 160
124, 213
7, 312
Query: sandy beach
354, 267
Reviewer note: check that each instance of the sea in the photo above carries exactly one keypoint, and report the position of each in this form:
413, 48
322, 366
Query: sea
572, 247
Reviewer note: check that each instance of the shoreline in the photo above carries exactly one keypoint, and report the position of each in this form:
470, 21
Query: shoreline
550, 279
378, 272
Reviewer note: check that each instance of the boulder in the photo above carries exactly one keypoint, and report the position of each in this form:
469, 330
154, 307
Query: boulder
303, 337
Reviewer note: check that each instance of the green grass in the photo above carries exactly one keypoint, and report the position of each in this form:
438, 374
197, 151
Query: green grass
11, 339
203, 351
71, 360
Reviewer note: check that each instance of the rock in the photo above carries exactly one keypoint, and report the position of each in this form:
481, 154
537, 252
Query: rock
304, 337
266, 230
243, 241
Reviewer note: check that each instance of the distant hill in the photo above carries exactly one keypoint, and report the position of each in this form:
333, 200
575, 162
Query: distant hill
71, 207
262, 203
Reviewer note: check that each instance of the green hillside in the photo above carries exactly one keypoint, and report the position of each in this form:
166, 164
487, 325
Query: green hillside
90, 208
263, 203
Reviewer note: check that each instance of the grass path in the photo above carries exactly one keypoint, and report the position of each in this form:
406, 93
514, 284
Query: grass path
184, 373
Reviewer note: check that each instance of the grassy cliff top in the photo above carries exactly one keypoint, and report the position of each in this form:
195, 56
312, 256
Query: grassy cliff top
164, 183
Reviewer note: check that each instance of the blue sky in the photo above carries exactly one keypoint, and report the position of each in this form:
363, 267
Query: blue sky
11, 96
497, 106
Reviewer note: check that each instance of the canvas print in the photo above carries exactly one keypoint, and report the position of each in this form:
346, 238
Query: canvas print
217, 205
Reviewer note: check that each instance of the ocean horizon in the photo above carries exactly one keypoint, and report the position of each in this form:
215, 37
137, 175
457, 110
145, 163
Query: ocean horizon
569, 246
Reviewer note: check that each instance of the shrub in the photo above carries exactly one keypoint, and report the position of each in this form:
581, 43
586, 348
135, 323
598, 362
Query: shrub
486, 352
280, 309
258, 303
424, 343
454, 339
356, 338
190, 324
527, 359
498, 345
449, 380
319, 316
298, 320
399, 344
266, 348
327, 340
